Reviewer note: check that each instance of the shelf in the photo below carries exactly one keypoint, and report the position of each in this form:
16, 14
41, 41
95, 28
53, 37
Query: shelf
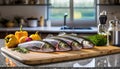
26, 5
108, 4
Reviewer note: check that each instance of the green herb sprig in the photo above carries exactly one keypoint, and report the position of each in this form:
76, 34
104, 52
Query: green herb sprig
21, 50
98, 40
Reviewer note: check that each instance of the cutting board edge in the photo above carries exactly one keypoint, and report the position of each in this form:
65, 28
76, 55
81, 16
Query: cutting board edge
37, 63
28, 62
10, 54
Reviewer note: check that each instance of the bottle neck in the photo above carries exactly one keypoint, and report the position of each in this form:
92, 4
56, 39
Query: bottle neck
101, 24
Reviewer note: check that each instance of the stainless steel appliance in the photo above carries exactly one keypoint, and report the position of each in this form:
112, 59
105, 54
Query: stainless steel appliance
114, 28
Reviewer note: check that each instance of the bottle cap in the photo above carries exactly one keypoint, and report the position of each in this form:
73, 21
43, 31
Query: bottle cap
103, 13
103, 17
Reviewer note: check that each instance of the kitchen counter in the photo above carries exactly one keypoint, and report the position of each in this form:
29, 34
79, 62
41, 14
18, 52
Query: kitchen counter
44, 31
103, 61
53, 29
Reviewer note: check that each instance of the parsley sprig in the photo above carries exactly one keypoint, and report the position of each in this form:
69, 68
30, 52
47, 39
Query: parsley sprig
21, 50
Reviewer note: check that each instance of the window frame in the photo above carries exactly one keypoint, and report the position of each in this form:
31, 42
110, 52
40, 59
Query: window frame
91, 22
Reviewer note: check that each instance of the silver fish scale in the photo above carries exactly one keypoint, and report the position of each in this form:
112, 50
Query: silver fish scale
38, 44
52, 41
75, 38
64, 39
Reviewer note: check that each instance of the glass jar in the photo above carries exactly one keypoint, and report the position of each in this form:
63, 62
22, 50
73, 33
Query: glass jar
102, 29
32, 22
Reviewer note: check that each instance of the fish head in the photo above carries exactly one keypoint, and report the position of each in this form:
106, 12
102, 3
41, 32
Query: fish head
87, 44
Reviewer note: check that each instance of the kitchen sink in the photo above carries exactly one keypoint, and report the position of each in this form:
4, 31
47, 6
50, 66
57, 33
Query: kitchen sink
70, 28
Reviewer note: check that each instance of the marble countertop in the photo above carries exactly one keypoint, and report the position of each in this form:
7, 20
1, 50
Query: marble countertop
53, 29
103, 61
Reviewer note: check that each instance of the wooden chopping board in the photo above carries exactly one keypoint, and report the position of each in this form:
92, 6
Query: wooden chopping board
42, 58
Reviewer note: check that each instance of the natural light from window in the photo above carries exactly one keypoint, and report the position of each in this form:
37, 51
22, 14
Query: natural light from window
82, 9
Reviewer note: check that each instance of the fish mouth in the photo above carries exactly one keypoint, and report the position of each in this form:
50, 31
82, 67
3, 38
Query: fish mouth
63, 46
48, 48
76, 45
87, 44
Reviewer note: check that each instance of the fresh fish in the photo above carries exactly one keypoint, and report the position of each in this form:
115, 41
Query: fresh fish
58, 44
75, 45
85, 43
38, 46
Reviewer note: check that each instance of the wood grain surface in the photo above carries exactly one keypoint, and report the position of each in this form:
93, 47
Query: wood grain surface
42, 58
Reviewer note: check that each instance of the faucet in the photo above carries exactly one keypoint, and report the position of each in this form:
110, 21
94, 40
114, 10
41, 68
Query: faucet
65, 19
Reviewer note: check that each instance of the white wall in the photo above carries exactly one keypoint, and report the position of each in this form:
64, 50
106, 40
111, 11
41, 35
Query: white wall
112, 10
25, 11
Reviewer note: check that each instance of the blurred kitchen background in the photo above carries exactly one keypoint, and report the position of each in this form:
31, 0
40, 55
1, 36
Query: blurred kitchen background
51, 13
83, 11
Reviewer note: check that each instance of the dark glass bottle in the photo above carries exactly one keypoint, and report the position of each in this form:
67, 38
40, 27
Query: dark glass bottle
102, 29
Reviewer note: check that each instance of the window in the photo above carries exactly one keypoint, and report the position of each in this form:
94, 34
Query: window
59, 8
78, 10
84, 9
